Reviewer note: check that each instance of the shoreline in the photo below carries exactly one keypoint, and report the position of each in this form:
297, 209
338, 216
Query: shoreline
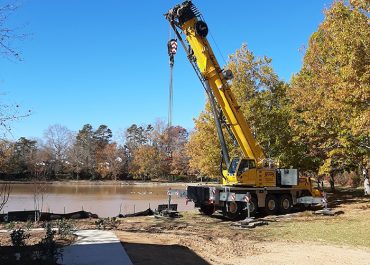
106, 182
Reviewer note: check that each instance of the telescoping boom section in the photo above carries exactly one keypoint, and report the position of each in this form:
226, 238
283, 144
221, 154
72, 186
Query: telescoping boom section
186, 19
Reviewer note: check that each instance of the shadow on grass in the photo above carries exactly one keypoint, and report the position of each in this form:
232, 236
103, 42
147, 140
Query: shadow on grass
143, 254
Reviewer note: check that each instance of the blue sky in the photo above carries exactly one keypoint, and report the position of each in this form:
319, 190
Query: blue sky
105, 62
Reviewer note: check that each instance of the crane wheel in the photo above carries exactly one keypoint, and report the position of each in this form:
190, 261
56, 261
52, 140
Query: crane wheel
233, 210
271, 205
285, 203
207, 209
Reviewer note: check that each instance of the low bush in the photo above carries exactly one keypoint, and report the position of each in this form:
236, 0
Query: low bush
65, 228
107, 223
18, 237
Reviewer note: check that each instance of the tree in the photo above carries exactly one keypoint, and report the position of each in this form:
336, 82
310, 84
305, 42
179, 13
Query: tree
7, 34
6, 154
102, 136
177, 138
203, 146
146, 162
137, 135
5, 190
58, 140
23, 154
361, 5
170, 143
75, 164
9, 113
88, 149
264, 104
112, 161
85, 147
330, 95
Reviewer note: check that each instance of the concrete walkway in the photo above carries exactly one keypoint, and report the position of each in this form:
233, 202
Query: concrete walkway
95, 247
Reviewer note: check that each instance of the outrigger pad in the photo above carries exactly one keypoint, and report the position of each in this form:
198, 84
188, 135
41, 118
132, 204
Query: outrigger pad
325, 212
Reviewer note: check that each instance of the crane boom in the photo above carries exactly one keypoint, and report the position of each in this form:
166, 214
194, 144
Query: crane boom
186, 19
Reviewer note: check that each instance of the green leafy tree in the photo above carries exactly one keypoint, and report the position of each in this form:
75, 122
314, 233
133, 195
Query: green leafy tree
264, 103
84, 150
134, 138
23, 155
331, 93
203, 146
102, 136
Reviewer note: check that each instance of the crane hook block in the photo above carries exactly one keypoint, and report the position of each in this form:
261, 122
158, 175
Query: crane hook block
172, 47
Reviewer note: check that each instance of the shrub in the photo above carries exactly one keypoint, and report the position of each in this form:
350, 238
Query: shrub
18, 237
10, 226
65, 228
28, 225
48, 252
107, 223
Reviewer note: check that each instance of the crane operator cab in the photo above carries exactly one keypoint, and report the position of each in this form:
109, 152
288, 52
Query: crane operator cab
243, 171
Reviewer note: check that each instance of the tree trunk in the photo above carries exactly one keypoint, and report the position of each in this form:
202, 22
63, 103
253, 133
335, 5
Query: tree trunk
331, 180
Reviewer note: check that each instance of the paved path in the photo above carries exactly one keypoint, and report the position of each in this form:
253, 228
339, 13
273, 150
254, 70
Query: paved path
95, 247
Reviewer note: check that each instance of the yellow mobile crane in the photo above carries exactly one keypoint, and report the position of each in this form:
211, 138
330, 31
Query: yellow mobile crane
246, 179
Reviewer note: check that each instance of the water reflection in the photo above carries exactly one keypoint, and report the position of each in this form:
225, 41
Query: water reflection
104, 200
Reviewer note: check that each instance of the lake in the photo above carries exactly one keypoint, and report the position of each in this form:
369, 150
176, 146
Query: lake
106, 200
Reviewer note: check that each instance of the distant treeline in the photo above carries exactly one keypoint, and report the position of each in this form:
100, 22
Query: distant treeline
146, 152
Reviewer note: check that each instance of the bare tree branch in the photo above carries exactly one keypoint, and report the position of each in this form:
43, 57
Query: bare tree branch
5, 190
7, 34
10, 113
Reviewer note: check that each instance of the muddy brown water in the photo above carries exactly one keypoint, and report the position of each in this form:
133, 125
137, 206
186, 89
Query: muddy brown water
105, 200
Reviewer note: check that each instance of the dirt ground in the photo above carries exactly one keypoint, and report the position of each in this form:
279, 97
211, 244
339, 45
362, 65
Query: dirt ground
299, 238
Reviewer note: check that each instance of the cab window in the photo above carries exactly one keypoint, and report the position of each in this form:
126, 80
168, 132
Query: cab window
252, 164
233, 165
243, 166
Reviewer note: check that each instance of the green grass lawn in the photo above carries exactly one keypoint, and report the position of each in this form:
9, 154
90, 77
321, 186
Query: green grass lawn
346, 231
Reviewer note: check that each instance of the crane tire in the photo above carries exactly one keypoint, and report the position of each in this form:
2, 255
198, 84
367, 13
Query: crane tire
207, 209
285, 204
271, 205
234, 210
